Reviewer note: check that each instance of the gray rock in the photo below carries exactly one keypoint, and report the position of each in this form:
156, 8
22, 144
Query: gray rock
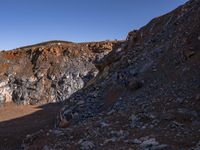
135, 121
2, 99
87, 145
47, 148
136, 141
149, 143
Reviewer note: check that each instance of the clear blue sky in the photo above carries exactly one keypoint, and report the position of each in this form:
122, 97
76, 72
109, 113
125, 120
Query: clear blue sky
24, 22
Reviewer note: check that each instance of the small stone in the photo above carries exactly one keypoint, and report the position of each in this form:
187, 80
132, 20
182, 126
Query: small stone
143, 127
86, 145
28, 136
113, 139
180, 100
46, 148
2, 99
134, 121
136, 141
57, 132
104, 124
119, 50
149, 143
133, 72
129, 61
154, 70
80, 102
189, 53
111, 112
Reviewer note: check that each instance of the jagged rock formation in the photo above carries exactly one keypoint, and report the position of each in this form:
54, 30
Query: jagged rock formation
145, 96
50, 71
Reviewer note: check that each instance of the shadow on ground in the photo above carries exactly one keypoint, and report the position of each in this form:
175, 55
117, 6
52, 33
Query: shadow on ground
13, 131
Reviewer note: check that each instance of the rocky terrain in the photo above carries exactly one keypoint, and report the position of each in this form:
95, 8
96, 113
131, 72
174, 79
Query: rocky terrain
142, 93
49, 71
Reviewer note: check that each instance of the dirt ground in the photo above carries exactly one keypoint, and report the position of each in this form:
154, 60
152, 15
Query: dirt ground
16, 122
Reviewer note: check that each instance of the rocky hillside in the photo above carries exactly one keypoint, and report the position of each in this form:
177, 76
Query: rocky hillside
49, 71
145, 96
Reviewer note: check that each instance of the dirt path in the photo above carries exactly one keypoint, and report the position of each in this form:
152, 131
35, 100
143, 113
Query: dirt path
18, 121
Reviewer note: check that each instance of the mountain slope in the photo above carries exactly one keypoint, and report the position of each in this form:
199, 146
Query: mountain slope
145, 96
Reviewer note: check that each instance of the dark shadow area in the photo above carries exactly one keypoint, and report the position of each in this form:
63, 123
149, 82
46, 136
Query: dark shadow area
12, 132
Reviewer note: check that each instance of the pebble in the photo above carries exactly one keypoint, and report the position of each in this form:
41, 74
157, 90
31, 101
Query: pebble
149, 143
87, 145
136, 141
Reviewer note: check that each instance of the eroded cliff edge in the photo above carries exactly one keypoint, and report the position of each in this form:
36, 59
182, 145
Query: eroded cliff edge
50, 71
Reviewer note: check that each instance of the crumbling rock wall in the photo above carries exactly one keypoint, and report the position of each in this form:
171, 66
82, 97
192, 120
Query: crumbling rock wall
50, 71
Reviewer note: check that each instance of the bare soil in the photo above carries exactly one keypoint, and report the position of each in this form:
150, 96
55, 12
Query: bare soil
17, 121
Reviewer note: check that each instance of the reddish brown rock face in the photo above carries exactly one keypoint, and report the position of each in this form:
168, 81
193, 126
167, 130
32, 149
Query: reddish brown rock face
51, 71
